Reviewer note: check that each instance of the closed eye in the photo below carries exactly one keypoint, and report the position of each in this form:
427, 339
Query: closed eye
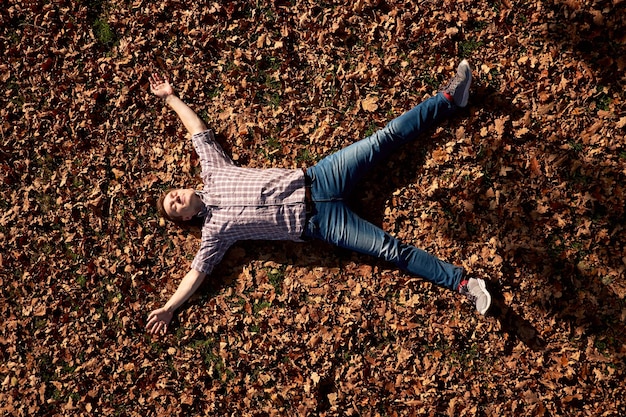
172, 201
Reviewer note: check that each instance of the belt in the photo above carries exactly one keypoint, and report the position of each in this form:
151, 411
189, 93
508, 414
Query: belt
308, 200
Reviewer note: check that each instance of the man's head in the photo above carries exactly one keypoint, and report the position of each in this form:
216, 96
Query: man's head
179, 204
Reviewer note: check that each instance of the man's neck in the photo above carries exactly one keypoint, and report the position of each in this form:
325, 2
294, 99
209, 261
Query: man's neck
197, 203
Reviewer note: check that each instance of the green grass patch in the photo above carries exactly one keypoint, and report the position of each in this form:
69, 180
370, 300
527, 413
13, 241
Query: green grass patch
206, 348
467, 47
276, 278
103, 32
305, 156
371, 129
260, 306
576, 146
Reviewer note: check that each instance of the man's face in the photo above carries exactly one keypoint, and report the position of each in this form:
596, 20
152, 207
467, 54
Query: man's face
178, 204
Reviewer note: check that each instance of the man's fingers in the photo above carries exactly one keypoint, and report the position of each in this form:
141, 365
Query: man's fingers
156, 78
153, 329
155, 325
150, 325
158, 327
153, 321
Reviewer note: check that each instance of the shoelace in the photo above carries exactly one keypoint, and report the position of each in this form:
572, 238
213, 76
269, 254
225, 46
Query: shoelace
452, 84
464, 290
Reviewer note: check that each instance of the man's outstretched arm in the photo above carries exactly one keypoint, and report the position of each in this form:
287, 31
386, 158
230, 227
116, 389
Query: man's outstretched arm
161, 87
159, 319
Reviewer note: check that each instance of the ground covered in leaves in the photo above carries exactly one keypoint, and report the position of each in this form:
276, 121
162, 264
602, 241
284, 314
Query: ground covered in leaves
525, 187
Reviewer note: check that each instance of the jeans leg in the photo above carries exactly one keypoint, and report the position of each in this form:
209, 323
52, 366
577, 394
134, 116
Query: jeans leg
334, 177
338, 173
335, 223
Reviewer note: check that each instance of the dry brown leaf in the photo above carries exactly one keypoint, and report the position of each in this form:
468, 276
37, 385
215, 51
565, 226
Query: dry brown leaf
525, 188
370, 103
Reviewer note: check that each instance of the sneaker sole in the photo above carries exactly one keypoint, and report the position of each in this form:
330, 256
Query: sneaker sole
483, 287
464, 65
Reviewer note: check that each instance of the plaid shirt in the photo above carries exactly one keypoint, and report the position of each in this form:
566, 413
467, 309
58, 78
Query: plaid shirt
244, 203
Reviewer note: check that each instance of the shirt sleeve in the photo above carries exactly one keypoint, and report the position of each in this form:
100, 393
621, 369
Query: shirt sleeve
210, 254
209, 151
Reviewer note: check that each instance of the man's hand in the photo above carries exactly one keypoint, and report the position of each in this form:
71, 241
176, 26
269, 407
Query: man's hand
158, 321
160, 86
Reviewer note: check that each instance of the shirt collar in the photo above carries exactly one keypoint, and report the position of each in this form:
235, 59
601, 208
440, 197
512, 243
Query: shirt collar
204, 211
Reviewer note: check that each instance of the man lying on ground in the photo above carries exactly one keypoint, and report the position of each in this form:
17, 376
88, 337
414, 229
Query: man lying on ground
238, 203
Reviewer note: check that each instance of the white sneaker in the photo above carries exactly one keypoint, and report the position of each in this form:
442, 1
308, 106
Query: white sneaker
476, 290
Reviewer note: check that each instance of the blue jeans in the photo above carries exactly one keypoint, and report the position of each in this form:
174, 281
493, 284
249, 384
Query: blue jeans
334, 177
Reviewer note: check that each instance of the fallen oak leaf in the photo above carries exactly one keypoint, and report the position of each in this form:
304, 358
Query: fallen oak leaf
370, 103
